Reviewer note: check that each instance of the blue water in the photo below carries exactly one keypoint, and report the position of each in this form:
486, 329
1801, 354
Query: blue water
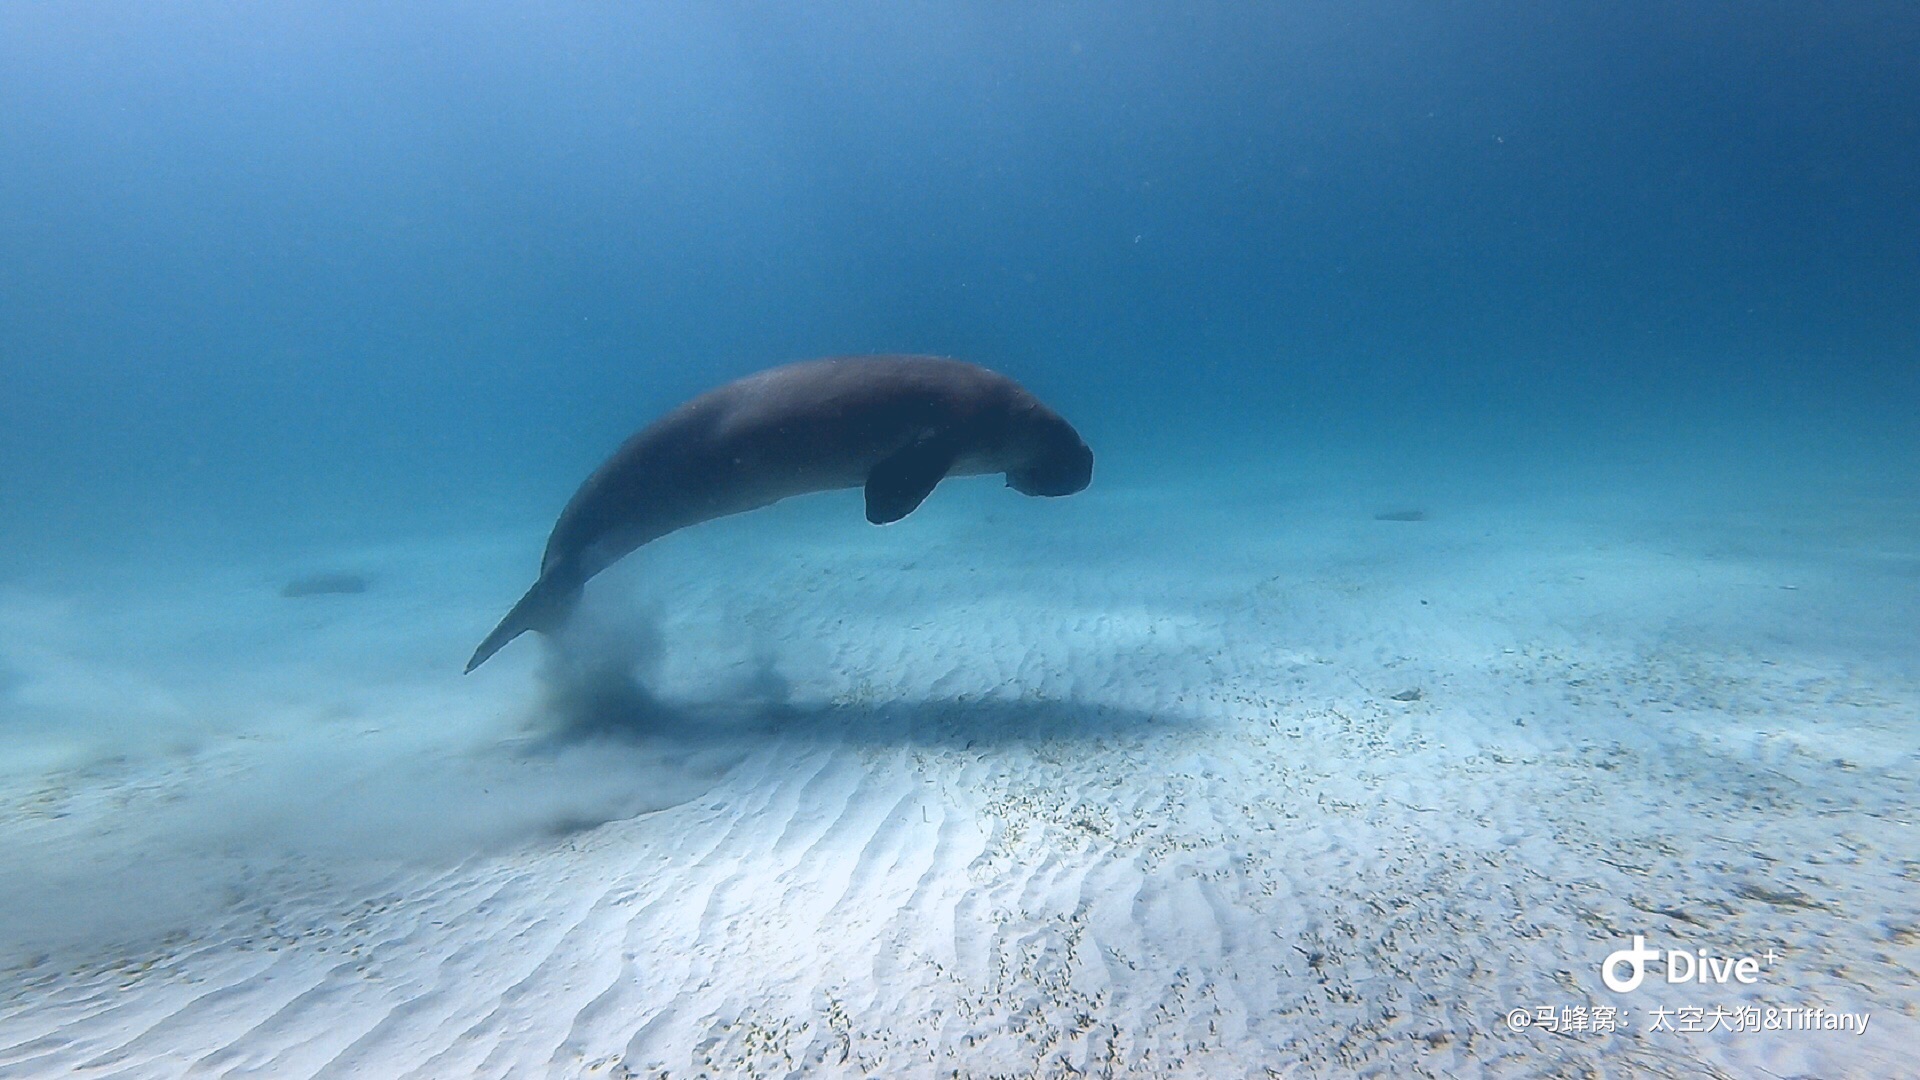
298, 278
273, 269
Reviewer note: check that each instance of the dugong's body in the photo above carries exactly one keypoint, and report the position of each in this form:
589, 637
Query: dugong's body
892, 424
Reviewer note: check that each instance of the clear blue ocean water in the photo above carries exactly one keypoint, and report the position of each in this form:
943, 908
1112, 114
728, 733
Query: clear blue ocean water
279, 281
364, 269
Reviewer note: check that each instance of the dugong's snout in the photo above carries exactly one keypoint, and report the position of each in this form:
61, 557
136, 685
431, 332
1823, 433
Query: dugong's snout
1064, 468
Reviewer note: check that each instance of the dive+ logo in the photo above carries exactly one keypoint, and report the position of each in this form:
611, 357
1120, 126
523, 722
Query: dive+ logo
1683, 966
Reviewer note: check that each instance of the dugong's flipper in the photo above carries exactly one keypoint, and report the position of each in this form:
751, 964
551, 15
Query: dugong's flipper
545, 608
904, 479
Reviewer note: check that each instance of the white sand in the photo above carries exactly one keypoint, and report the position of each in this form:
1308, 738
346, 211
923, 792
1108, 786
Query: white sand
1112, 785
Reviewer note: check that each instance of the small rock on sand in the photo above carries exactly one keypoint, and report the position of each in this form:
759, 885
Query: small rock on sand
324, 585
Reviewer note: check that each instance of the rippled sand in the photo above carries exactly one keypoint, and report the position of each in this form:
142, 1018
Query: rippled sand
1146, 782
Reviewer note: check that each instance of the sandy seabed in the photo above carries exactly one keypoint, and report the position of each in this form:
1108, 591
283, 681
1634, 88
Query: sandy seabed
1154, 781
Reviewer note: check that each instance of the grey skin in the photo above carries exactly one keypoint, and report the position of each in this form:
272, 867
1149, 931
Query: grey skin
895, 425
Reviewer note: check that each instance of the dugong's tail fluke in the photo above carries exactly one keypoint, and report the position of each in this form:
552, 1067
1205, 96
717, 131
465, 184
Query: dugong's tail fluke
544, 608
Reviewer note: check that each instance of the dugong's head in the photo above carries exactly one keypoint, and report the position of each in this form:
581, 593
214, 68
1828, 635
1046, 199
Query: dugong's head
1054, 459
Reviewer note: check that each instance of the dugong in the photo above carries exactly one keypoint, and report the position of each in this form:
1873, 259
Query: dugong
894, 425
